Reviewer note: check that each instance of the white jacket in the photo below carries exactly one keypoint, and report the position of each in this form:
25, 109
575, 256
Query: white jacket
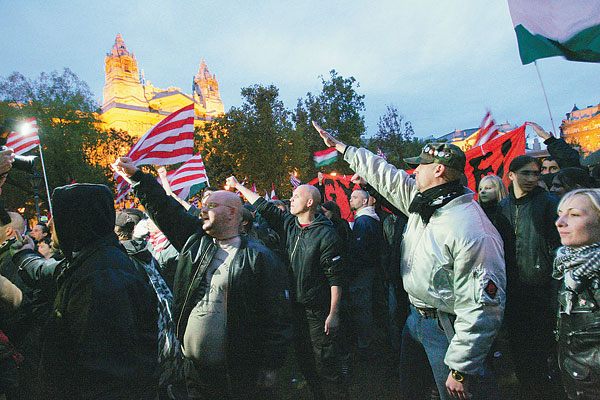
448, 263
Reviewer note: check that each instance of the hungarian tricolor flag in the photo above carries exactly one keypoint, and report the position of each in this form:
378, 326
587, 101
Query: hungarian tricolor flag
325, 157
548, 28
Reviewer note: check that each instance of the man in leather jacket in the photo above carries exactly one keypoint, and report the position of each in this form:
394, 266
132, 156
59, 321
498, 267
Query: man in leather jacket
531, 298
230, 294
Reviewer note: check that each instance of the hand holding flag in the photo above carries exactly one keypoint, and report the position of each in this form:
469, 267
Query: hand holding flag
124, 167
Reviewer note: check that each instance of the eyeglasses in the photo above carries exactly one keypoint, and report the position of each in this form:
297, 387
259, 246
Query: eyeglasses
210, 206
531, 174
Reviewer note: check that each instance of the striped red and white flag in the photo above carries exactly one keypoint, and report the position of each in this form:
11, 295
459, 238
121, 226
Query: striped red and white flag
487, 131
170, 141
158, 240
273, 194
253, 187
25, 140
295, 181
191, 173
380, 154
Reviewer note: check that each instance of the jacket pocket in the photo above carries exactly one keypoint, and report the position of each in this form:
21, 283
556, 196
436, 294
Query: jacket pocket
582, 340
575, 370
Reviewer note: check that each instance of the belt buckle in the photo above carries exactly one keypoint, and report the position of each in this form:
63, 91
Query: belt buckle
427, 313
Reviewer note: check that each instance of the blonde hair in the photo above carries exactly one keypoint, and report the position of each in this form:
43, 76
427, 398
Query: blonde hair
497, 183
593, 196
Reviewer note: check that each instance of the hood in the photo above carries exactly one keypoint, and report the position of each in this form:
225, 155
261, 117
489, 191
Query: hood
83, 213
320, 219
368, 211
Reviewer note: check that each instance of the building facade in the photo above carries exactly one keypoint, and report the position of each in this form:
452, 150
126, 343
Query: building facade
582, 128
134, 105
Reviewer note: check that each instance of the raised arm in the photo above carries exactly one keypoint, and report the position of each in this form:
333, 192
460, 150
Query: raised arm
565, 155
170, 217
393, 184
248, 194
162, 173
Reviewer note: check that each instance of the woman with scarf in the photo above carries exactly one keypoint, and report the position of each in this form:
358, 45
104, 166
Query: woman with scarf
577, 266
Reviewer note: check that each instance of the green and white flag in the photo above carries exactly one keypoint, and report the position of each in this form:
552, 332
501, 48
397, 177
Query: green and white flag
548, 28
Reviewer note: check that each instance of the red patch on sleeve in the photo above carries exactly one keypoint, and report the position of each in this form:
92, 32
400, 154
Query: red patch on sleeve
491, 289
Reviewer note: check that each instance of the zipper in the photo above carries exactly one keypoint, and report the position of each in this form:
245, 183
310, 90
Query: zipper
188, 291
296, 245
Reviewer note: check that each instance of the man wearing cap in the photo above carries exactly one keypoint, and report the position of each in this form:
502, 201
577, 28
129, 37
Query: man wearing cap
452, 268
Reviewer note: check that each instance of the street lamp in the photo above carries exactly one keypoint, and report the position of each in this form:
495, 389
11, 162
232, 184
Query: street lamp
36, 182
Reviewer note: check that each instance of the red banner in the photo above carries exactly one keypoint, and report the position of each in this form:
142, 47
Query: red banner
493, 157
338, 188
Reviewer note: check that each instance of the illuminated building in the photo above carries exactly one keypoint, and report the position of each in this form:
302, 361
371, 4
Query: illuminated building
134, 105
582, 128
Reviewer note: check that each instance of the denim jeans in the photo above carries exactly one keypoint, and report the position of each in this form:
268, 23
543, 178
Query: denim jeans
424, 346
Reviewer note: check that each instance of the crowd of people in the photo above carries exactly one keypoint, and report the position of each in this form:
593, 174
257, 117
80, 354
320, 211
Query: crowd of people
179, 302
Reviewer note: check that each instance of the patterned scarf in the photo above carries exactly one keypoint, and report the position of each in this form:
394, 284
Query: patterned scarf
583, 261
430, 200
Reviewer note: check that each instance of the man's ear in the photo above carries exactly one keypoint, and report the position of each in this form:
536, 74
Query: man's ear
439, 170
309, 203
9, 232
511, 175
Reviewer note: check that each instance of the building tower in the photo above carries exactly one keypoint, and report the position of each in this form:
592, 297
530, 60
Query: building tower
206, 91
122, 83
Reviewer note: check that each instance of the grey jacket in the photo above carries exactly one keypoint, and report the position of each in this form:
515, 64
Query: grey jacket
455, 263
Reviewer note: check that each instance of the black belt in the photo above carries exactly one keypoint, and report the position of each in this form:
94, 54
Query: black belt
427, 313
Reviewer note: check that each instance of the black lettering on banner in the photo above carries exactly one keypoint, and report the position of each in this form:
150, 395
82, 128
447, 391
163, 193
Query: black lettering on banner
478, 173
505, 149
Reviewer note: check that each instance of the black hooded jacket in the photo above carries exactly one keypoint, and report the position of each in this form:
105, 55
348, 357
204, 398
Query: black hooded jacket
101, 339
314, 251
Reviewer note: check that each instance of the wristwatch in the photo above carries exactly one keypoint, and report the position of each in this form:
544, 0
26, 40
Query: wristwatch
458, 376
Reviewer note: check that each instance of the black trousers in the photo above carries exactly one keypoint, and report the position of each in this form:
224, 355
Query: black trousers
318, 354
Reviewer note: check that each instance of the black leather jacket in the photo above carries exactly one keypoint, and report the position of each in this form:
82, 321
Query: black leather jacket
532, 218
258, 318
314, 251
579, 341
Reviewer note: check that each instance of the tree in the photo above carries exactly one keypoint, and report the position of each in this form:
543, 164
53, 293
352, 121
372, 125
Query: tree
338, 109
250, 141
395, 138
75, 146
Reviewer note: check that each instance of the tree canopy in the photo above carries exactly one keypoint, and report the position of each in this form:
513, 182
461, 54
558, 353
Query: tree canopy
75, 147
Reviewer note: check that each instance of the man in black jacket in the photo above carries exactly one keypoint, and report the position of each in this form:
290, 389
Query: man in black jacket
314, 251
531, 294
100, 340
230, 294
366, 241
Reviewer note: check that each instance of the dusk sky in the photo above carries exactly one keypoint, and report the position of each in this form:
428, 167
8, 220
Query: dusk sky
442, 64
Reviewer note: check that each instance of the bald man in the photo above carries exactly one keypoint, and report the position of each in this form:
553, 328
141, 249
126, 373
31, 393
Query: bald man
314, 254
10, 229
231, 298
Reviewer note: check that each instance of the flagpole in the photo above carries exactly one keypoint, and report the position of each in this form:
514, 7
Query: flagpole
45, 178
545, 97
